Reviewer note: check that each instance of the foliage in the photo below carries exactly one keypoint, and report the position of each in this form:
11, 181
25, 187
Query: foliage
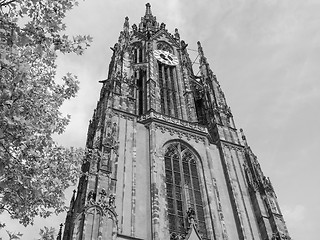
34, 170
47, 233
13, 236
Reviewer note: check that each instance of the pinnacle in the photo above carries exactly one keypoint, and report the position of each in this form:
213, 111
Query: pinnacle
148, 9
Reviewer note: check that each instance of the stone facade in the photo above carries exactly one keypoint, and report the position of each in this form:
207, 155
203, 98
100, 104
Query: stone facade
164, 158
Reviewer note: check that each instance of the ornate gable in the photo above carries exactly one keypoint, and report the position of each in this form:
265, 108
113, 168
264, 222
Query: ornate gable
193, 233
164, 35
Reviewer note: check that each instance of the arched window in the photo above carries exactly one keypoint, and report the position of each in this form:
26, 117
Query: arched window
137, 52
140, 76
168, 93
168, 84
183, 189
164, 46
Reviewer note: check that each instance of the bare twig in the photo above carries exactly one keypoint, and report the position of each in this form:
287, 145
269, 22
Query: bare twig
5, 209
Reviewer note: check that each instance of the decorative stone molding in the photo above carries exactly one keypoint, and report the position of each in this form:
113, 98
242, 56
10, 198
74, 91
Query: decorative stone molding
175, 236
140, 66
179, 133
106, 203
162, 45
124, 115
233, 146
178, 122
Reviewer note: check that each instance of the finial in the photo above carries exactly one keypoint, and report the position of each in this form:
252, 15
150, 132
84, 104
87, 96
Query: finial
184, 45
148, 9
162, 26
134, 27
126, 24
176, 33
191, 215
200, 50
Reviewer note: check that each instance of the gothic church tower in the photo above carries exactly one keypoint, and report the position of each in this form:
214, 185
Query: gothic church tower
164, 159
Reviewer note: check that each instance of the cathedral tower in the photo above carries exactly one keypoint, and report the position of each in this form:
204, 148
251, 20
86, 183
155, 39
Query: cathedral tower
164, 159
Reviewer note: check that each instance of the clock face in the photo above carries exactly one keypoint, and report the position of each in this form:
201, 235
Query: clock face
166, 57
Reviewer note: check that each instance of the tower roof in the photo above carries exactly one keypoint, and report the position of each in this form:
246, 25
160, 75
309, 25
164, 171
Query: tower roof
148, 21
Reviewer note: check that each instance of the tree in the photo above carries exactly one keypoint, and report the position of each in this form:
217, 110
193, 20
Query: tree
13, 236
47, 233
34, 170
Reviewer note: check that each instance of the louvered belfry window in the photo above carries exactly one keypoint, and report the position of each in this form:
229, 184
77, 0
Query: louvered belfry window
168, 92
183, 189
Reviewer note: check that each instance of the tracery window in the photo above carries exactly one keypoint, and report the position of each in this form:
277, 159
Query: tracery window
140, 76
168, 93
164, 46
183, 189
137, 52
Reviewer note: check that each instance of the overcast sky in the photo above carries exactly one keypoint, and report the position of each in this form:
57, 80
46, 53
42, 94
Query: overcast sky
266, 55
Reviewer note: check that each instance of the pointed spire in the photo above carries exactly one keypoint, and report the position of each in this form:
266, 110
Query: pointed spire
148, 22
73, 199
60, 232
203, 59
148, 10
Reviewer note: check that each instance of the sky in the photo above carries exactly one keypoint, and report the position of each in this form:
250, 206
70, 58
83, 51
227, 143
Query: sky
266, 55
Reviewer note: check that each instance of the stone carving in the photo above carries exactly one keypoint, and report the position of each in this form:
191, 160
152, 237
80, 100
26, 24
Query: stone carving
103, 195
162, 26
91, 197
175, 236
251, 182
176, 34
164, 46
193, 126
233, 147
267, 184
142, 66
191, 214
106, 203
123, 115
112, 198
280, 236
180, 133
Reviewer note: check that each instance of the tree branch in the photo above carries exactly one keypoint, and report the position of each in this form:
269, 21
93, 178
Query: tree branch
3, 208
4, 3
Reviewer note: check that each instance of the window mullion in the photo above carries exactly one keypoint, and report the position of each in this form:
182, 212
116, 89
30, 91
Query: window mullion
174, 201
183, 184
191, 187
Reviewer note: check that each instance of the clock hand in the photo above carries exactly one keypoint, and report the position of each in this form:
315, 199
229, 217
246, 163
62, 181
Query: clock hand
163, 56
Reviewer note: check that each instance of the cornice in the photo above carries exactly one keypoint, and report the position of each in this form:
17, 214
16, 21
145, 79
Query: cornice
128, 237
228, 144
153, 116
126, 115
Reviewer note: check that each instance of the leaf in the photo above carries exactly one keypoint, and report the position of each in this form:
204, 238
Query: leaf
36, 170
8, 102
